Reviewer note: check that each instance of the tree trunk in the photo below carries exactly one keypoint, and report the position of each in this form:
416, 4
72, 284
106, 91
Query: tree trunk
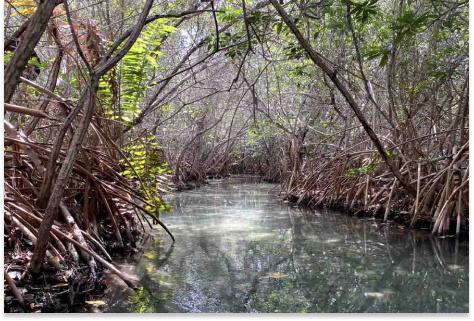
28, 42
74, 147
63, 177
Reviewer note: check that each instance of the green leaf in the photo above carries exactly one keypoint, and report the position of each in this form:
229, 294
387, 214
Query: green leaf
384, 60
152, 61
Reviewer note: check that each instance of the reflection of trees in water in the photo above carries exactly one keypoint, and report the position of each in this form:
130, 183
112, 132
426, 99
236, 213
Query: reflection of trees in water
228, 279
378, 262
333, 263
151, 296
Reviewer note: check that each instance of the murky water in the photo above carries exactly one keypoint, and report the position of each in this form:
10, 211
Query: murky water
239, 249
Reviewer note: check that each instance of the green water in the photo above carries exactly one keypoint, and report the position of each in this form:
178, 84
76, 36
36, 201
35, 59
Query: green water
240, 249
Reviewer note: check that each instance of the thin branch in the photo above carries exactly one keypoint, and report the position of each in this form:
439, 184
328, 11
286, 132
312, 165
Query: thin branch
216, 24
74, 37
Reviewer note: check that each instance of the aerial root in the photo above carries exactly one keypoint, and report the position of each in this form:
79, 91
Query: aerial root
440, 194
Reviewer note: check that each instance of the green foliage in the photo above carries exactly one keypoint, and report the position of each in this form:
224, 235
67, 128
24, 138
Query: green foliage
299, 70
378, 51
146, 160
294, 51
258, 136
326, 124
237, 41
36, 63
362, 11
259, 132
384, 26
107, 93
364, 170
138, 64
168, 109
409, 24
360, 171
229, 14
236, 37
7, 56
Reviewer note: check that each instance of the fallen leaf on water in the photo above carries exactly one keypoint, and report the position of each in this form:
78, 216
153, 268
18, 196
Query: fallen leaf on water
96, 303
376, 295
276, 276
60, 285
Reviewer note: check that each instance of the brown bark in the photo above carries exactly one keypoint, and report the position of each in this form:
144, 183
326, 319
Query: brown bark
45, 191
28, 42
74, 147
61, 181
25, 111
50, 86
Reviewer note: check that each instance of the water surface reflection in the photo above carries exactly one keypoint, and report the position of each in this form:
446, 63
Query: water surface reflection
239, 249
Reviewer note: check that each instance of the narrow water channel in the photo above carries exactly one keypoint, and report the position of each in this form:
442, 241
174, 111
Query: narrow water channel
240, 249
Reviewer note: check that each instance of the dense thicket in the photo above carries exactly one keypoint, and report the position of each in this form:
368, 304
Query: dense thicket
350, 103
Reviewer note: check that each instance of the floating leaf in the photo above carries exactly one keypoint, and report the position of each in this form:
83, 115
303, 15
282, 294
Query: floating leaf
375, 295
60, 285
276, 276
96, 303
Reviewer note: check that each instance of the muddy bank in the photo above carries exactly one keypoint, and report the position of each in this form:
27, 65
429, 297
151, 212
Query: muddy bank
75, 288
